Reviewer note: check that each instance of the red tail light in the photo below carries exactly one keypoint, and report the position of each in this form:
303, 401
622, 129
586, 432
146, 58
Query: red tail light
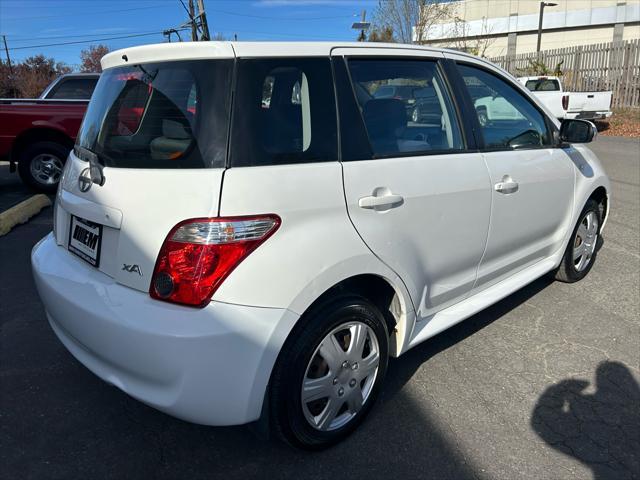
565, 102
198, 254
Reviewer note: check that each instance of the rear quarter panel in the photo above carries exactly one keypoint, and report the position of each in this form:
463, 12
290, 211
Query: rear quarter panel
315, 247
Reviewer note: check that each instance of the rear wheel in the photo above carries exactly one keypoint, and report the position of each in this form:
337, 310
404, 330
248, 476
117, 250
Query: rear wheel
329, 372
40, 165
582, 249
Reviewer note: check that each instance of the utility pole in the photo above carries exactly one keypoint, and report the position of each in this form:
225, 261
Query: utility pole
203, 21
192, 19
4, 38
12, 78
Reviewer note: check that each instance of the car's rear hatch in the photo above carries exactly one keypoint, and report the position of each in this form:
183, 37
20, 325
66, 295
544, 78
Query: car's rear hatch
150, 154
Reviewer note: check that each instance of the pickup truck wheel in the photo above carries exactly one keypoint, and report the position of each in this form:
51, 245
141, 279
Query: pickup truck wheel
40, 165
329, 373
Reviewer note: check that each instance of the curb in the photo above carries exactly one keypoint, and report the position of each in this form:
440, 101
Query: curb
22, 212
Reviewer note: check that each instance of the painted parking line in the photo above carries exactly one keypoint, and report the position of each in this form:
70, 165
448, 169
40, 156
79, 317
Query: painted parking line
22, 212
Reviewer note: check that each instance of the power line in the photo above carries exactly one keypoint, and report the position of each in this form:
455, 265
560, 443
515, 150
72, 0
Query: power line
14, 39
265, 17
90, 41
85, 13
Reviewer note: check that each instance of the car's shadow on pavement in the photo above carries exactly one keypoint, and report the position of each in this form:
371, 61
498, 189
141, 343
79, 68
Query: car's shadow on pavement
600, 429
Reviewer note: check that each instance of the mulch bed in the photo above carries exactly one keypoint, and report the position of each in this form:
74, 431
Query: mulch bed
623, 123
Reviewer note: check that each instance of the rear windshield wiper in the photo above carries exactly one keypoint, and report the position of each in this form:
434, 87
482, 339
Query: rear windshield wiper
95, 166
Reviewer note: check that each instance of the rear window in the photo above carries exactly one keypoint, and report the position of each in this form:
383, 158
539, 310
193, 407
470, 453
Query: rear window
543, 85
284, 112
160, 115
73, 89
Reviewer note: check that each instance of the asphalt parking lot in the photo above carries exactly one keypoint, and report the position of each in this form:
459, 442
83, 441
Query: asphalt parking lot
543, 385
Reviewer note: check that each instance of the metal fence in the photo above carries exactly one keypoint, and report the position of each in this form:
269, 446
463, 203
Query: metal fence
601, 66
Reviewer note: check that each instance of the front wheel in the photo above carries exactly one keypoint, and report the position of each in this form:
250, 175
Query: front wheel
329, 373
582, 249
40, 165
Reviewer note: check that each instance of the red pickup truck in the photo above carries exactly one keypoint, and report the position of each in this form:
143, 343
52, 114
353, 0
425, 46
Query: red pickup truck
37, 134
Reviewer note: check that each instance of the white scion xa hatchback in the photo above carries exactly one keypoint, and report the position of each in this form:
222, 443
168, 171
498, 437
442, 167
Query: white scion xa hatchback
248, 231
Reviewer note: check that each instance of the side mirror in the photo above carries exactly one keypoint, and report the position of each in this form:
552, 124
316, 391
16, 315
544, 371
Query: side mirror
577, 131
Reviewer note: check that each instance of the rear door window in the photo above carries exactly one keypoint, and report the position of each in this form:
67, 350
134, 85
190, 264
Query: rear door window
160, 115
405, 106
284, 112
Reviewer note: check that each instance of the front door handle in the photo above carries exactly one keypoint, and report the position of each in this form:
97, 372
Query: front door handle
507, 185
382, 199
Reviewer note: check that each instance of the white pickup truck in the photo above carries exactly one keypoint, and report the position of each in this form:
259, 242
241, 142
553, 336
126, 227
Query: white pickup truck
583, 105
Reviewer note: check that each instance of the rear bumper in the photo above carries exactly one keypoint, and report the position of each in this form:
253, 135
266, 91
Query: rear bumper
589, 115
208, 366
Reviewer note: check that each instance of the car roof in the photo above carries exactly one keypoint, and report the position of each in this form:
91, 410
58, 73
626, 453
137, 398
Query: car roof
80, 75
203, 50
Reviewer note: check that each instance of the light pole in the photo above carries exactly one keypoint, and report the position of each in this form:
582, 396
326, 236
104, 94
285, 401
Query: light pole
362, 25
542, 5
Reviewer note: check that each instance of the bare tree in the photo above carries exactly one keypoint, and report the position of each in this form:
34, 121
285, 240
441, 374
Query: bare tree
465, 40
411, 21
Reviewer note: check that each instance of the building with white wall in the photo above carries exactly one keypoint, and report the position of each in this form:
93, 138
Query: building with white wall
507, 27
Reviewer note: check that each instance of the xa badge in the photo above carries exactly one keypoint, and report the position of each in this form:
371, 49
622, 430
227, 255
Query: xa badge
132, 268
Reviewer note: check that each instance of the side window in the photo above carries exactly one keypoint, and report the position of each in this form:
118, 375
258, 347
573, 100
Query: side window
507, 118
405, 106
284, 112
74, 89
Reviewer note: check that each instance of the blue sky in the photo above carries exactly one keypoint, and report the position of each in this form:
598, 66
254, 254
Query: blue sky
28, 23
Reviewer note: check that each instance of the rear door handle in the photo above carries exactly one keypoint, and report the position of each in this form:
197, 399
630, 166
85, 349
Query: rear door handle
507, 185
381, 202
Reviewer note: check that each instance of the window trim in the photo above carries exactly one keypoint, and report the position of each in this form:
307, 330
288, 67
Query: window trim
473, 118
337, 106
467, 146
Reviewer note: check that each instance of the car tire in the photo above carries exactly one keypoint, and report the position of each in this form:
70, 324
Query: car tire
339, 391
40, 165
582, 249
